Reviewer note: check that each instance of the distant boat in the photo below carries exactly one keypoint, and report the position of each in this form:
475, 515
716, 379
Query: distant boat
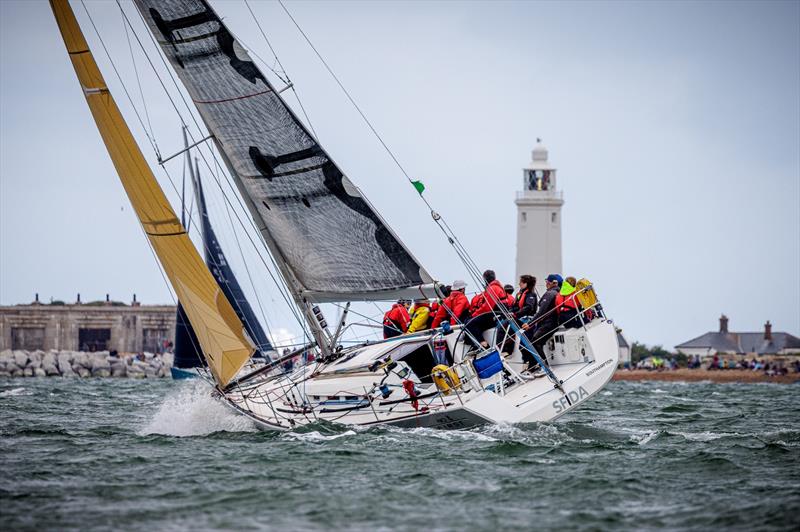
188, 354
328, 244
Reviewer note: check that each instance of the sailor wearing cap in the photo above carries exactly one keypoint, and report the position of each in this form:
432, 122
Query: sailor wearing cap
455, 307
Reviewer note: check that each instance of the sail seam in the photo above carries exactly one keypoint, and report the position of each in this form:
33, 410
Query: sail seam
167, 234
223, 100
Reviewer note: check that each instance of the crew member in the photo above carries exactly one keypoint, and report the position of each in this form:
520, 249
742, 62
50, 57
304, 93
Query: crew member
420, 315
455, 307
483, 317
509, 301
524, 305
567, 306
525, 300
545, 321
397, 320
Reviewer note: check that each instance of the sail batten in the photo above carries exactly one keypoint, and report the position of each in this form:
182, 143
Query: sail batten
219, 331
330, 242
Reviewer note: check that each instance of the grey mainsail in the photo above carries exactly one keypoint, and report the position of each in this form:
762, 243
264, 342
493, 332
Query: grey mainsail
329, 241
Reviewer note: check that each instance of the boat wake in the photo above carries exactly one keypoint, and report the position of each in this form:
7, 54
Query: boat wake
191, 411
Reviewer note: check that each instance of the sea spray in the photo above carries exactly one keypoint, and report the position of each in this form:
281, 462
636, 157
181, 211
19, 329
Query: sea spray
190, 410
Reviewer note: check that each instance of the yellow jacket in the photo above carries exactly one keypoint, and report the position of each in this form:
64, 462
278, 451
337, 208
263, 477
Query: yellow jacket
419, 318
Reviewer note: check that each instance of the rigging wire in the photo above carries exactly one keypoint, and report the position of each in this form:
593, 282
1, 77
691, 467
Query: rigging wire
139, 83
127, 94
249, 275
285, 77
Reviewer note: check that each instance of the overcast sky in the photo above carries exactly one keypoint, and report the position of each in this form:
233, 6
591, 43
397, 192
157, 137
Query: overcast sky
675, 128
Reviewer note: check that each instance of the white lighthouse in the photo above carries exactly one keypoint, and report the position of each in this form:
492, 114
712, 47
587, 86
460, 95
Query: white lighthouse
539, 219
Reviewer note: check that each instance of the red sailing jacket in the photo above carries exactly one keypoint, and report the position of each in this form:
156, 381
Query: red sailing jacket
397, 317
493, 293
458, 304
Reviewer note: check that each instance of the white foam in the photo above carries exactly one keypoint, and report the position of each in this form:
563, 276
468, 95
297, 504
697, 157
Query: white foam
448, 435
14, 392
643, 439
191, 411
315, 436
703, 436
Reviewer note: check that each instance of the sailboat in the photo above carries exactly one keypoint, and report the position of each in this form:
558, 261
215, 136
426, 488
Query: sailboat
329, 244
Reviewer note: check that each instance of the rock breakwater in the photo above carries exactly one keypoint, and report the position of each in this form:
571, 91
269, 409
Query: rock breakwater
84, 365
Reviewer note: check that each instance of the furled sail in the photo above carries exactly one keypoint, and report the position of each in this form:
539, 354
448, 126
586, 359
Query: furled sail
220, 333
329, 241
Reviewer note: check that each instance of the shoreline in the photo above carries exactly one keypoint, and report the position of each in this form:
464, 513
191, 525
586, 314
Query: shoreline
699, 375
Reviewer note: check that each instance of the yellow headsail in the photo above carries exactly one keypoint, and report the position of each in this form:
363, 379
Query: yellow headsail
222, 339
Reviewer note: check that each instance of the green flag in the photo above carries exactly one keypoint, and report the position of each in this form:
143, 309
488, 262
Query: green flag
419, 186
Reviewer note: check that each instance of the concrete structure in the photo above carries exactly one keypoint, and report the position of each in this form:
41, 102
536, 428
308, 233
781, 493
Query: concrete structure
539, 219
741, 343
87, 327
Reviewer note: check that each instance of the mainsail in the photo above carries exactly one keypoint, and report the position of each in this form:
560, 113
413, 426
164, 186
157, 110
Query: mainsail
330, 243
219, 331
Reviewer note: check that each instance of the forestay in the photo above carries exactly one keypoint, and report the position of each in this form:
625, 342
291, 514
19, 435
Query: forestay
327, 238
219, 331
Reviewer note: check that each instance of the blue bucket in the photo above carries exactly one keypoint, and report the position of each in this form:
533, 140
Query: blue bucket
489, 365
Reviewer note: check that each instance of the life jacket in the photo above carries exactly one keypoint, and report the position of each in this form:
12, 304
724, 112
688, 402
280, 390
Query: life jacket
419, 317
397, 318
565, 300
457, 303
519, 300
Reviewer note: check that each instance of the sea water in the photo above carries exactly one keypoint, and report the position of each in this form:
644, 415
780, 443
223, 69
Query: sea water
109, 454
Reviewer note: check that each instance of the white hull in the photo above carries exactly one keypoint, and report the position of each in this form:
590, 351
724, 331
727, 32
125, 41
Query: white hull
348, 391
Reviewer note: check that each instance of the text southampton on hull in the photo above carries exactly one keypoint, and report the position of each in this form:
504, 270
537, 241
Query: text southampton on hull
328, 244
